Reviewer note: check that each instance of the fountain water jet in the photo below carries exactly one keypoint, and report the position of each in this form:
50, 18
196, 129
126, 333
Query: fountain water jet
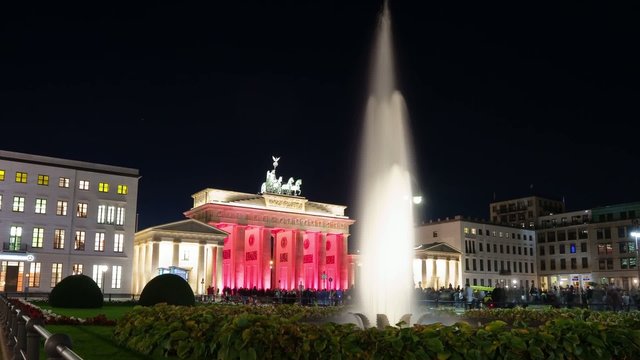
385, 213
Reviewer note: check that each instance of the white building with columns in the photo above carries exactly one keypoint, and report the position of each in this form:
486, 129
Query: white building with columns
489, 254
437, 265
188, 248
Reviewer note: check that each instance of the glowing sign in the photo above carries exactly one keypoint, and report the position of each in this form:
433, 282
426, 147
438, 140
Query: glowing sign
17, 257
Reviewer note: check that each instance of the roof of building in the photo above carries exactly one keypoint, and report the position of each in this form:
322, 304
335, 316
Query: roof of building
297, 204
188, 225
65, 163
437, 247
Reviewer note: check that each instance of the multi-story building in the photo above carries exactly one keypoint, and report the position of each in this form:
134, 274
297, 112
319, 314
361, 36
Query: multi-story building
491, 254
615, 250
564, 251
523, 212
589, 247
61, 217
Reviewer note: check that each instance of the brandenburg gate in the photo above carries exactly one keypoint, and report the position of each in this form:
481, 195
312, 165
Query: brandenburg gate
277, 238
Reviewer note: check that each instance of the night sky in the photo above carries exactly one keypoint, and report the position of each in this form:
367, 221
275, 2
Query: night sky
505, 99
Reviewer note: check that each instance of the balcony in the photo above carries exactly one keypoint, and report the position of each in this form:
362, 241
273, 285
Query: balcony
505, 272
13, 247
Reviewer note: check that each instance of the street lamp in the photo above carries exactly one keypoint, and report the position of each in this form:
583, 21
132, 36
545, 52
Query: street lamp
104, 269
26, 287
272, 280
636, 234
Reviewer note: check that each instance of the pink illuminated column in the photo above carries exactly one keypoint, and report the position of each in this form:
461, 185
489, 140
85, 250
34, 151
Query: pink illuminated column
227, 258
233, 256
334, 245
311, 243
252, 257
285, 259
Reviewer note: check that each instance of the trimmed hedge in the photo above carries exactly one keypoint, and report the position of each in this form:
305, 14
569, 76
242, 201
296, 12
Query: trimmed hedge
167, 288
76, 291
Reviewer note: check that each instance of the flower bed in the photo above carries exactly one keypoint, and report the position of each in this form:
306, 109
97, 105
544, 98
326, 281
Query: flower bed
50, 318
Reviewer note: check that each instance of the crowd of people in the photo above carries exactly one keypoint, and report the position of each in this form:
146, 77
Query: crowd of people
596, 297
302, 296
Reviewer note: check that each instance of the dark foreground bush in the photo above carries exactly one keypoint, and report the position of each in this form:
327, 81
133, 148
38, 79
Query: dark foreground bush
167, 288
76, 291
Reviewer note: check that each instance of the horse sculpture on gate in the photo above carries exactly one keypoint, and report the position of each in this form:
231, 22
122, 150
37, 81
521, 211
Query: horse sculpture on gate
292, 187
274, 185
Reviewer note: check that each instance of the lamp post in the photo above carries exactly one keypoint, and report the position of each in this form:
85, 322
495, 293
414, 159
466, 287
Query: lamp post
26, 287
636, 234
271, 279
104, 269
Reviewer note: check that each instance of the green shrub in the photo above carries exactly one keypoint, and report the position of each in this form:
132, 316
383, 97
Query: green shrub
76, 291
167, 288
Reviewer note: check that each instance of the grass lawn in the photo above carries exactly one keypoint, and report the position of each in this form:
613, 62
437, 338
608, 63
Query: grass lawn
89, 341
112, 312
95, 343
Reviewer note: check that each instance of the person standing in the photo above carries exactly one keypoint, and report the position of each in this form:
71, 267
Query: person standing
468, 294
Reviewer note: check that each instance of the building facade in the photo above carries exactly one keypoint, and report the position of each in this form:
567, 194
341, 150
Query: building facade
565, 255
491, 254
523, 212
61, 217
589, 247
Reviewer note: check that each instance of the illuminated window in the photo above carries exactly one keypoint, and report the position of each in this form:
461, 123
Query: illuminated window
81, 211
34, 274
99, 246
103, 187
83, 185
99, 272
116, 277
41, 206
473, 231
123, 189
77, 269
1, 175
118, 243
466, 230
120, 216
78, 243
102, 209
43, 180
15, 238
18, 204
61, 208
605, 249
63, 182
58, 239
572, 248
111, 214
38, 237
21, 177
56, 273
